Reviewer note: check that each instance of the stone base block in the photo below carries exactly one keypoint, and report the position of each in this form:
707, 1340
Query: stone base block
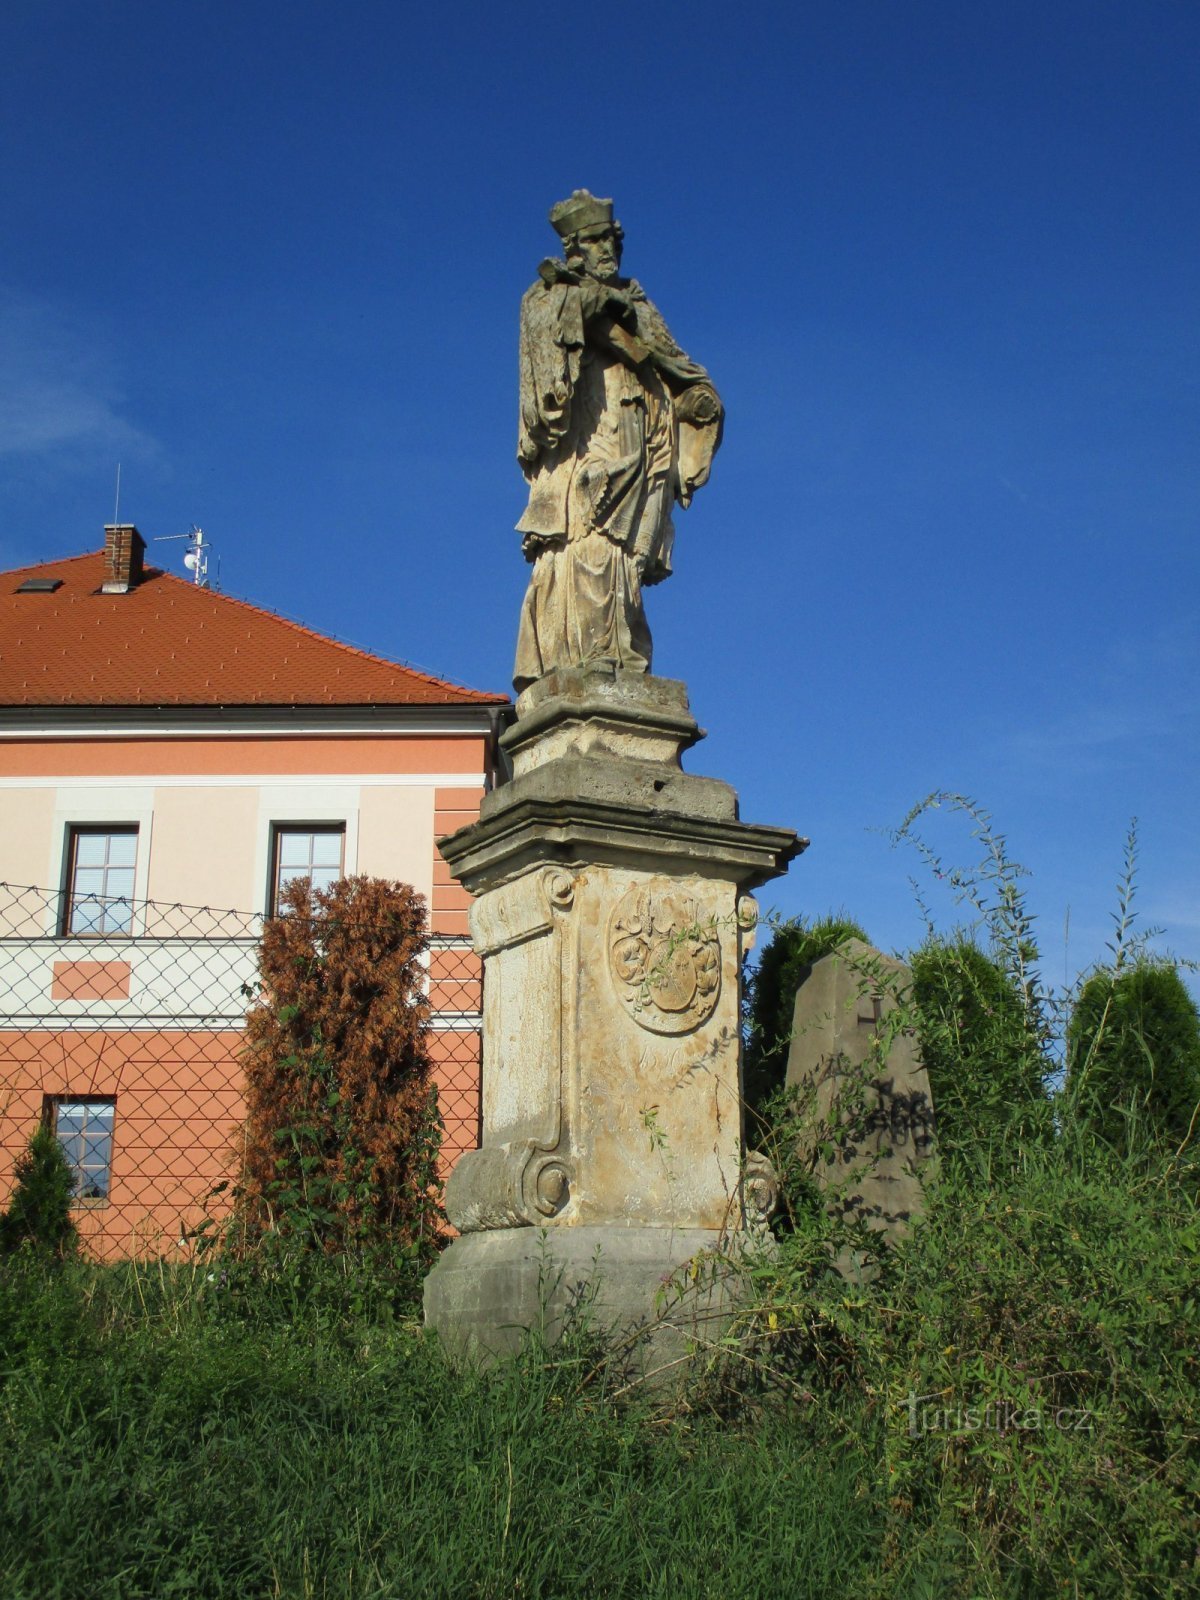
651, 1293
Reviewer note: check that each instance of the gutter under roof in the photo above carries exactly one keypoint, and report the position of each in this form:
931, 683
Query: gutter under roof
462, 717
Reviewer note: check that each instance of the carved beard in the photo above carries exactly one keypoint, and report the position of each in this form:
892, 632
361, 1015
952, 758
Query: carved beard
578, 263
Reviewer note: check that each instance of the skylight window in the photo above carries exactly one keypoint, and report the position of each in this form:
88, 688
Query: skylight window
39, 586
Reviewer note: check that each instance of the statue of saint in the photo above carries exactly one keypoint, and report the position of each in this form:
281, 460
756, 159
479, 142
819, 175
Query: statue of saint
617, 424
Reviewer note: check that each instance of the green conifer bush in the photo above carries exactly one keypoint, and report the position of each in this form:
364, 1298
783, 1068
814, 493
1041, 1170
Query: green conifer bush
39, 1218
985, 1062
1133, 1053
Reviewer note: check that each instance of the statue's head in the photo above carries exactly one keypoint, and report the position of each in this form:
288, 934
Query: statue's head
591, 238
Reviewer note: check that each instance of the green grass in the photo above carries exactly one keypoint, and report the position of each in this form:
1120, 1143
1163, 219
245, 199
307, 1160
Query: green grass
179, 1435
177, 1451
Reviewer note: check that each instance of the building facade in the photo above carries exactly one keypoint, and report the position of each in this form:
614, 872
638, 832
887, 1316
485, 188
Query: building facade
169, 758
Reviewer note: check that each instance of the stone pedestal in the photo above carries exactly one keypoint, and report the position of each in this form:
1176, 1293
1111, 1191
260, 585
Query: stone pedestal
612, 916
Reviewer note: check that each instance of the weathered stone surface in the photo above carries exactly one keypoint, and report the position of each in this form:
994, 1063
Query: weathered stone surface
650, 1292
607, 779
612, 920
610, 1041
611, 908
602, 710
617, 427
592, 803
866, 1087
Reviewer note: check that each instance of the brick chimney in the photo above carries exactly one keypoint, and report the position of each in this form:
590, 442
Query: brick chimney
124, 548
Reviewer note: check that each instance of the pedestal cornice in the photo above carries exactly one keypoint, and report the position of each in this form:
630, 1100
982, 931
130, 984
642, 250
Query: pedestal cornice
574, 832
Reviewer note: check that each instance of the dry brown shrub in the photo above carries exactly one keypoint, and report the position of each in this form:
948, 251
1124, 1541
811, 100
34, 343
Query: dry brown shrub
342, 1122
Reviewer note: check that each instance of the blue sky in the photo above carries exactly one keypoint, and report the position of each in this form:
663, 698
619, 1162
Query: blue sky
942, 261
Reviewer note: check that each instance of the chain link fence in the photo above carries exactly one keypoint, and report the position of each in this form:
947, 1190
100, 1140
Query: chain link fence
129, 1045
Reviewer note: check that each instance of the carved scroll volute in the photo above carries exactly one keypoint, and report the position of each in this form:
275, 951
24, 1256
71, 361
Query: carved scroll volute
521, 910
525, 1181
760, 1189
747, 922
516, 1185
558, 886
545, 1185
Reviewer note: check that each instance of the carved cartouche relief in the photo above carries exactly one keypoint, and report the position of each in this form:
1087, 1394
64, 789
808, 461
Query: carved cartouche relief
665, 961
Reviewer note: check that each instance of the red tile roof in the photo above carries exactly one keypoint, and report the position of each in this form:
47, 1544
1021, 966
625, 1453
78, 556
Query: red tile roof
168, 642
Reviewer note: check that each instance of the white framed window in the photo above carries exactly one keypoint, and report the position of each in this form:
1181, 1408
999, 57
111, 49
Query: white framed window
84, 1129
101, 865
313, 850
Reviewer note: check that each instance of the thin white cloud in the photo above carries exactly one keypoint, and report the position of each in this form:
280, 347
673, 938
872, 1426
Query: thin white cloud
1096, 729
1175, 912
59, 393
1142, 704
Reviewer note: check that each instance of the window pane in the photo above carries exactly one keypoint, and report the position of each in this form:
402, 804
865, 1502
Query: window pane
86, 916
327, 850
97, 1150
294, 848
323, 876
102, 878
89, 849
72, 1143
120, 883
84, 1129
122, 849
118, 917
89, 881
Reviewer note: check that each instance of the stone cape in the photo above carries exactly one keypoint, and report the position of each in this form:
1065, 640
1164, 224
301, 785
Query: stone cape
607, 454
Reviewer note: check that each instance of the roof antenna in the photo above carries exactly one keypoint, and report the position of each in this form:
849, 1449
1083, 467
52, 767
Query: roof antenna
117, 507
195, 557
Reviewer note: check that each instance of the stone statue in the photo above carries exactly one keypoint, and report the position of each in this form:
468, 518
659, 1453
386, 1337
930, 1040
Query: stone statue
610, 889
617, 424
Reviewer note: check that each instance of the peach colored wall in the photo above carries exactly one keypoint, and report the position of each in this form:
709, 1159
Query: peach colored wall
395, 835
208, 846
453, 809
455, 980
179, 1094
178, 1124
455, 1058
381, 753
176, 1133
26, 833
90, 980
204, 848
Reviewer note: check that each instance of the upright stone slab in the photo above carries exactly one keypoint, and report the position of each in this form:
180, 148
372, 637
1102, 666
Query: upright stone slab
866, 1088
612, 915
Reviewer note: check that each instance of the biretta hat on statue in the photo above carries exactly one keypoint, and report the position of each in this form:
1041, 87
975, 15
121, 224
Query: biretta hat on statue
582, 210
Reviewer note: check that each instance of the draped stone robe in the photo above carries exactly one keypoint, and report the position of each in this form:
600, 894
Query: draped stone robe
617, 424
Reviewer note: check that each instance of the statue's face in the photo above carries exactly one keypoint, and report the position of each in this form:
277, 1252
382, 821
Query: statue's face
600, 248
